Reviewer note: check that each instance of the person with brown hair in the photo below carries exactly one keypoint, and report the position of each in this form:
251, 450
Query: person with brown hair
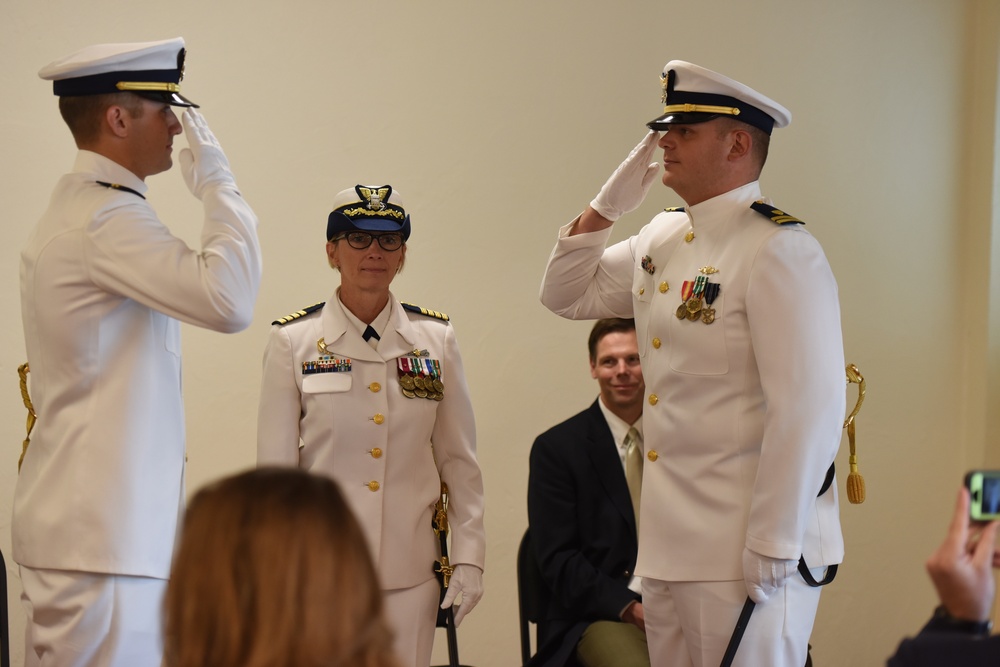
584, 479
105, 286
272, 570
738, 323
371, 391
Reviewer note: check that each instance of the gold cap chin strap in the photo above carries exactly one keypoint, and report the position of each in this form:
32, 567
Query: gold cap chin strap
157, 86
22, 372
855, 482
701, 108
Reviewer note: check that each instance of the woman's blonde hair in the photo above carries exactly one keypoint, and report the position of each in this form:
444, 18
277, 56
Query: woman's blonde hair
273, 571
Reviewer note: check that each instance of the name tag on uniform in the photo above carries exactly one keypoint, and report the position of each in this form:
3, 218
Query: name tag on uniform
326, 383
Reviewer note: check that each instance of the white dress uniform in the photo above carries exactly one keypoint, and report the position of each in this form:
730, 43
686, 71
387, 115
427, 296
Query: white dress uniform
104, 285
743, 415
387, 452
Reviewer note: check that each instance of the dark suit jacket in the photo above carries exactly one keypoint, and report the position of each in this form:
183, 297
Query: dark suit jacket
937, 649
582, 530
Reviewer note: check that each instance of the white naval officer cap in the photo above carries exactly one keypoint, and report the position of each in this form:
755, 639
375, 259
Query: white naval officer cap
150, 69
693, 94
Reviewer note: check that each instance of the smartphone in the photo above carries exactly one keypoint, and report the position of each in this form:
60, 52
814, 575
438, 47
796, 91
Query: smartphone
984, 494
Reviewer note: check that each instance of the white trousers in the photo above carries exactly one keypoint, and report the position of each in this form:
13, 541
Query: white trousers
412, 615
83, 619
689, 623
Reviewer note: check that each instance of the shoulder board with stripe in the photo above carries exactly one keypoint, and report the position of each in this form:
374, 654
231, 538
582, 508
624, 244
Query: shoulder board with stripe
116, 186
674, 209
423, 311
775, 215
298, 313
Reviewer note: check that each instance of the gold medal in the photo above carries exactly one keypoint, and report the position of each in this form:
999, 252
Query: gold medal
693, 317
693, 306
419, 383
422, 393
406, 382
409, 394
708, 315
438, 386
438, 396
682, 311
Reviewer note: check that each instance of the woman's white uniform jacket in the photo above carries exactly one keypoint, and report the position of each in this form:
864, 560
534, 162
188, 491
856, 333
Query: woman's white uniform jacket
388, 452
744, 415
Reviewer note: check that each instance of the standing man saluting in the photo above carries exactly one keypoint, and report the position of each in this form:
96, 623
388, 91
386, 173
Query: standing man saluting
738, 324
104, 286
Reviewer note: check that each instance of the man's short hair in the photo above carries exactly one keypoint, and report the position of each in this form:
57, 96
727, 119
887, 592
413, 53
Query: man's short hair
84, 114
761, 139
604, 327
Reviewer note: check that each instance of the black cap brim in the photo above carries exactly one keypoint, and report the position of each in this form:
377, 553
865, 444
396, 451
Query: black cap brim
666, 120
338, 223
171, 98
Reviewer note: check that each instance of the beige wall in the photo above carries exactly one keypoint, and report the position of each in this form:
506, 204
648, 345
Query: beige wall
498, 122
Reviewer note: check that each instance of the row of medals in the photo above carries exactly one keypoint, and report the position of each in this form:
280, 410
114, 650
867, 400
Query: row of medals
420, 378
697, 297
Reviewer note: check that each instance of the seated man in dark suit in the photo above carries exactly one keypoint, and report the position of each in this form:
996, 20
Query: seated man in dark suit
583, 499
958, 634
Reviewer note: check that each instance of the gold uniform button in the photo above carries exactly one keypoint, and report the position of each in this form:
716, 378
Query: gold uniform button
642, 290
653, 399
375, 387
652, 455
375, 452
656, 343
378, 418
664, 287
373, 485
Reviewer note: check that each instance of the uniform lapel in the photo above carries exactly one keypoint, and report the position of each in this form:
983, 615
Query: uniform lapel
400, 336
341, 337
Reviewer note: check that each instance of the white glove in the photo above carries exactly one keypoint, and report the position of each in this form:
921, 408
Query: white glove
203, 164
764, 575
467, 580
630, 183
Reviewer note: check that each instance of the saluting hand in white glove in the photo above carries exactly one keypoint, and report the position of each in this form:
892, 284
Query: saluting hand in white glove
764, 575
630, 183
203, 164
467, 580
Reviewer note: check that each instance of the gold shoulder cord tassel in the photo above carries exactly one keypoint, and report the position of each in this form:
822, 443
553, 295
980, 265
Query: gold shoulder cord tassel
855, 482
22, 372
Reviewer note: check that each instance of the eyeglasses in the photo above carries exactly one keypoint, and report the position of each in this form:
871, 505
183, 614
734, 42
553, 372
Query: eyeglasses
361, 240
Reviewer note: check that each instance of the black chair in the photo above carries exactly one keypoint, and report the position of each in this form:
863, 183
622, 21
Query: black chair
4, 617
532, 597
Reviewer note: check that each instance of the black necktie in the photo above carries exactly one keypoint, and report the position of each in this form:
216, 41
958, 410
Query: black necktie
370, 333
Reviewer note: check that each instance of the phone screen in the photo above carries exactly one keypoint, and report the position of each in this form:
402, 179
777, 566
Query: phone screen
984, 494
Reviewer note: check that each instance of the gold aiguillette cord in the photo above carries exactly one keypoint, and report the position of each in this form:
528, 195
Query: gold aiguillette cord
22, 372
855, 482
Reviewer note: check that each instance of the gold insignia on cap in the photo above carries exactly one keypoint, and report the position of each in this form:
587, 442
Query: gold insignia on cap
374, 197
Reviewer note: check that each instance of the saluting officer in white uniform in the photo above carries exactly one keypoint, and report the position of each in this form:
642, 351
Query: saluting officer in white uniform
738, 322
104, 287
372, 392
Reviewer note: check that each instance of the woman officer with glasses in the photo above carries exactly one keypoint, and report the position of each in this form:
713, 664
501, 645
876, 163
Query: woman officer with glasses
371, 392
